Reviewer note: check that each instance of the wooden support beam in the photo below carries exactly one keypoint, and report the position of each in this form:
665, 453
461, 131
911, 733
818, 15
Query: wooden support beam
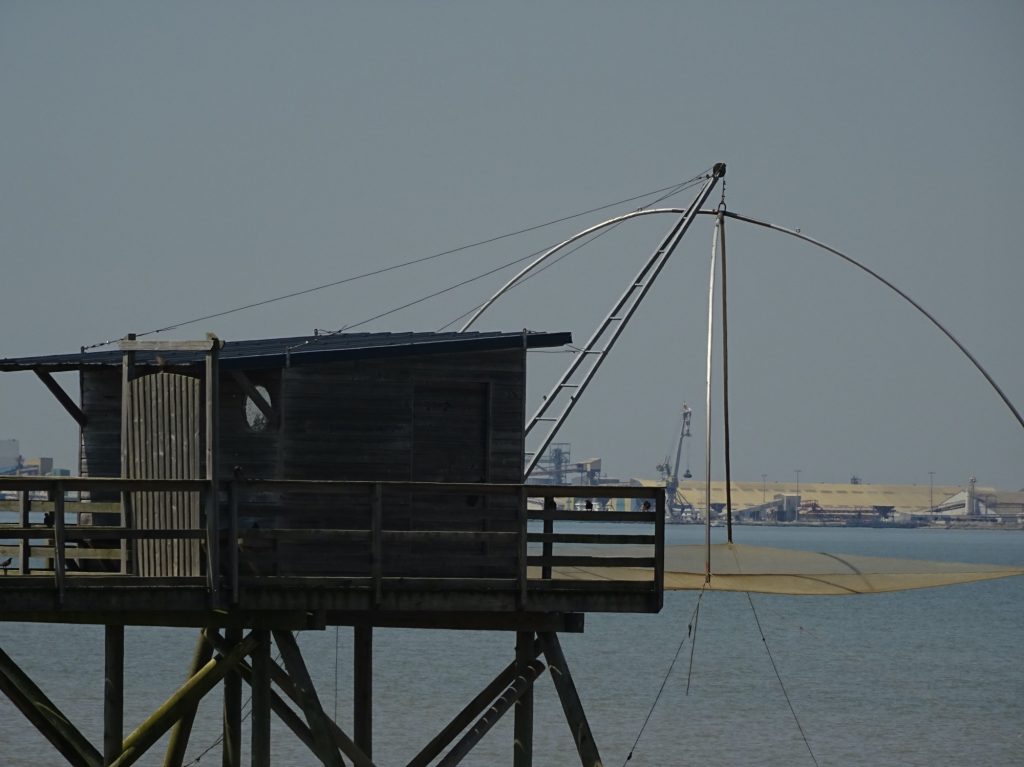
45, 716
571, 705
129, 550
522, 684
259, 680
231, 753
522, 518
362, 693
178, 742
62, 396
376, 553
183, 700
290, 688
261, 699
113, 692
24, 505
130, 344
522, 753
318, 721
59, 562
212, 410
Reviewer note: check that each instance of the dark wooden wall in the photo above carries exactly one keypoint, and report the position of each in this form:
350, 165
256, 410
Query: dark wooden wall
435, 418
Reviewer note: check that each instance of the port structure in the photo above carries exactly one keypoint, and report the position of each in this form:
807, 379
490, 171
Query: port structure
246, 490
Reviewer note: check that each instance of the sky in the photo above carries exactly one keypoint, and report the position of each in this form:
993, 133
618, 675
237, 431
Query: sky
167, 161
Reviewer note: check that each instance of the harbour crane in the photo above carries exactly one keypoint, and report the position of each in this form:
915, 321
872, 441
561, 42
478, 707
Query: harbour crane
670, 472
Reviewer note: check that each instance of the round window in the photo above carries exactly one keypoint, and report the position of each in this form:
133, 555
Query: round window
255, 418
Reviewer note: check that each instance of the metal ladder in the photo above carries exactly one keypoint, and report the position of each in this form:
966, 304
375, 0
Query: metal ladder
567, 392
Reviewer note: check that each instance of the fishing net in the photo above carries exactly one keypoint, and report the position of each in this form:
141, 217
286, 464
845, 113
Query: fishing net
767, 570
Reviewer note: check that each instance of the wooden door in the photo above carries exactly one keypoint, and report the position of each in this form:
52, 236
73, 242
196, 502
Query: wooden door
163, 441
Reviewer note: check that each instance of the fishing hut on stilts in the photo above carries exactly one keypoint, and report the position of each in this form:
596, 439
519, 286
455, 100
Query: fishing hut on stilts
248, 489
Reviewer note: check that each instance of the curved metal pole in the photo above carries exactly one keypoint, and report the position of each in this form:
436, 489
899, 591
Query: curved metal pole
900, 293
550, 252
766, 225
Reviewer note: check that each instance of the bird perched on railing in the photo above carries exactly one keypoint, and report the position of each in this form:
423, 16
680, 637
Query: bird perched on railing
5, 564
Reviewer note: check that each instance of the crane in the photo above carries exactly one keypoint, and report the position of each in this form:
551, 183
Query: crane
670, 472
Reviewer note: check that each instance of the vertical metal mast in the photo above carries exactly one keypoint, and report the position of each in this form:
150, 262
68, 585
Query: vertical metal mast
571, 385
707, 413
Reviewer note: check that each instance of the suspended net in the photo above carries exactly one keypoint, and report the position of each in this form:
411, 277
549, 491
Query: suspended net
767, 570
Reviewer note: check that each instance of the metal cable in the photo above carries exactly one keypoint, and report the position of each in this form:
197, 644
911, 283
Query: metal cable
691, 629
375, 272
781, 684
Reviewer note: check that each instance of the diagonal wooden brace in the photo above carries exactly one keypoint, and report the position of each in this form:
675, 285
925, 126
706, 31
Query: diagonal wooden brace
570, 698
180, 703
45, 716
318, 721
521, 685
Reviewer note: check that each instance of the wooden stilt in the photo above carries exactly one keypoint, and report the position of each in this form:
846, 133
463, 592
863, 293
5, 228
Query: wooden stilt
290, 688
183, 700
318, 721
113, 693
363, 689
178, 742
231, 753
522, 684
261, 699
45, 716
522, 753
571, 705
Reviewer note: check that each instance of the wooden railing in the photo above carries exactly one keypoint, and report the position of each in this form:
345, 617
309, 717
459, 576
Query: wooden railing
48, 539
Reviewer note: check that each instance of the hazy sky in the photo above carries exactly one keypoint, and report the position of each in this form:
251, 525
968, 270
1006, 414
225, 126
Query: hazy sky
162, 161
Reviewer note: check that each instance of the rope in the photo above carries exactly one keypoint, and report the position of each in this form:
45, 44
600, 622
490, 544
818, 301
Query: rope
781, 684
335, 283
672, 191
691, 629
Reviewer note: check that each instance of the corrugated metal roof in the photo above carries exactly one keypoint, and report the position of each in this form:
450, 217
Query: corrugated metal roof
264, 353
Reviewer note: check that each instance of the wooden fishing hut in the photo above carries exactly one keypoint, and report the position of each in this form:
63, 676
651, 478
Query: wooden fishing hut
253, 488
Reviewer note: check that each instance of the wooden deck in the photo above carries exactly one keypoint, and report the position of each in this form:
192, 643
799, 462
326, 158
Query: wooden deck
65, 568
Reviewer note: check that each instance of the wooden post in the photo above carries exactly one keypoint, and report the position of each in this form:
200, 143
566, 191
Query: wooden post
129, 550
25, 546
659, 549
212, 501
288, 686
522, 549
182, 701
571, 705
183, 729
522, 754
261, 696
233, 540
363, 688
376, 544
113, 693
58, 538
231, 754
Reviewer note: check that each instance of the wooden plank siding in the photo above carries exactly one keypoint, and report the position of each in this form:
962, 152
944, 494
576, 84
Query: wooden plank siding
455, 417
165, 412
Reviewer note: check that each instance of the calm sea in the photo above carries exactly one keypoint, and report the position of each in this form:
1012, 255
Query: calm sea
931, 677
